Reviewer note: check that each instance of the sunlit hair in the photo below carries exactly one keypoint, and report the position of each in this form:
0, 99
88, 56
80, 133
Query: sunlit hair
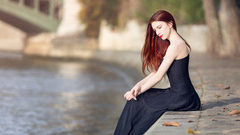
154, 48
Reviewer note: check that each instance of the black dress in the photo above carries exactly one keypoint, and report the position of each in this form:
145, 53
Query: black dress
139, 115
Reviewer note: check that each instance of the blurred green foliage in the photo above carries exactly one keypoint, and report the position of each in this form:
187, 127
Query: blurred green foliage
184, 11
94, 11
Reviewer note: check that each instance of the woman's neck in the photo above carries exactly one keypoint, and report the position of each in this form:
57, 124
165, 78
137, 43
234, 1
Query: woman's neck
173, 37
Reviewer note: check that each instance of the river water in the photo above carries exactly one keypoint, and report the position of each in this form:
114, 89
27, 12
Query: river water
52, 96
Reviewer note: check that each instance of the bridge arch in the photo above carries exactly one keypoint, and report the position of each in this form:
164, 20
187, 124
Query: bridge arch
32, 16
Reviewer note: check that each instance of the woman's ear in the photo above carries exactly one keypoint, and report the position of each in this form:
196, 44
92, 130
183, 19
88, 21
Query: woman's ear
170, 24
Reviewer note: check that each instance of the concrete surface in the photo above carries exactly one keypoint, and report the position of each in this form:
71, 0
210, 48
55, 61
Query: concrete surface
208, 75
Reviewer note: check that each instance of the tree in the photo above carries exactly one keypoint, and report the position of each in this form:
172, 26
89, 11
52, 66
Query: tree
213, 26
94, 11
230, 27
224, 30
184, 11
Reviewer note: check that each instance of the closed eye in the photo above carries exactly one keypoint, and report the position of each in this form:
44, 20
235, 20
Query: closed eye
159, 27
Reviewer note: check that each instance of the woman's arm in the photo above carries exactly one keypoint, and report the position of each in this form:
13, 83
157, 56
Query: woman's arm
170, 56
157, 76
130, 94
145, 79
152, 79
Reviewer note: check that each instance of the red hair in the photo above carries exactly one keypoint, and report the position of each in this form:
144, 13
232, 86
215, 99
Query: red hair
154, 48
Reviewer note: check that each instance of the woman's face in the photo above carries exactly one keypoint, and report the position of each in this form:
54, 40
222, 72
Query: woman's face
162, 29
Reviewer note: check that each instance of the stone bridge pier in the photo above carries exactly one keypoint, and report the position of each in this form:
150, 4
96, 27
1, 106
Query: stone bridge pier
42, 27
67, 41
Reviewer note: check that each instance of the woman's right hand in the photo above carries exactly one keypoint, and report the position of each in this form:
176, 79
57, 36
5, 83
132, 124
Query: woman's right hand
136, 90
133, 93
129, 95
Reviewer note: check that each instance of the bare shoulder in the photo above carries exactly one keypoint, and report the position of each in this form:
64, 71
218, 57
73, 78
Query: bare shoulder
172, 52
177, 49
181, 44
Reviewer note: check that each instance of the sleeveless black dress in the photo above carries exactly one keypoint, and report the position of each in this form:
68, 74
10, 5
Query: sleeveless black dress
139, 115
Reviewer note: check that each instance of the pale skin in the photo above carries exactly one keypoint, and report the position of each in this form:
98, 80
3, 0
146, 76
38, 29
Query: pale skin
176, 50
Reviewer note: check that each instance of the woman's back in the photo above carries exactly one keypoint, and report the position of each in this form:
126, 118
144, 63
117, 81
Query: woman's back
184, 94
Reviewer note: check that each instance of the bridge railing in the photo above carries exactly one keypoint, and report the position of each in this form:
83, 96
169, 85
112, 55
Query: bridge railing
46, 14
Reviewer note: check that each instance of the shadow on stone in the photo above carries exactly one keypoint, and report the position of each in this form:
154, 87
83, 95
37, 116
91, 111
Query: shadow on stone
210, 105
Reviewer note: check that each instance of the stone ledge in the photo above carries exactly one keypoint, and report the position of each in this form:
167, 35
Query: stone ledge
181, 117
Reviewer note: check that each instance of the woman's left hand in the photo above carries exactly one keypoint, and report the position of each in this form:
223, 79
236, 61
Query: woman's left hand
130, 95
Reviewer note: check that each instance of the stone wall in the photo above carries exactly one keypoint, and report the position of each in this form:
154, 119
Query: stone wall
11, 38
196, 36
51, 45
132, 37
70, 24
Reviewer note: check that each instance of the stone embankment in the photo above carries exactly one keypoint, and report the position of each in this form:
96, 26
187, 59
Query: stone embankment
217, 83
130, 38
11, 38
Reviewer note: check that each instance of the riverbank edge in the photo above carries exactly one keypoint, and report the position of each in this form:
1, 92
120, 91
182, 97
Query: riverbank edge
129, 63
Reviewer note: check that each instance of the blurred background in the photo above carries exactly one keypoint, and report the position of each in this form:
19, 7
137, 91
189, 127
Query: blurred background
65, 64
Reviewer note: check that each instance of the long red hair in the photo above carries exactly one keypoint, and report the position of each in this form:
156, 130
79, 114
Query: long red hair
154, 48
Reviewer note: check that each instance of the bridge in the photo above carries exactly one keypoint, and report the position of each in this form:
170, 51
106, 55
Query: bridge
32, 16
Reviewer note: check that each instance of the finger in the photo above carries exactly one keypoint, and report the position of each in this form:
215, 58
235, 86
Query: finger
126, 94
126, 97
136, 93
132, 92
132, 96
129, 98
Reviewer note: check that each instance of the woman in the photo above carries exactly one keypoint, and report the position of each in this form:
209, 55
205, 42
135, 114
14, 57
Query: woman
164, 51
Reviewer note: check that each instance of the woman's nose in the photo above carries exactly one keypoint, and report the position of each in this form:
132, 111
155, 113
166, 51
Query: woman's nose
158, 32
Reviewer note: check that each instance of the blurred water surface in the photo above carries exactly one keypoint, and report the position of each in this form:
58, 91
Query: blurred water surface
51, 96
